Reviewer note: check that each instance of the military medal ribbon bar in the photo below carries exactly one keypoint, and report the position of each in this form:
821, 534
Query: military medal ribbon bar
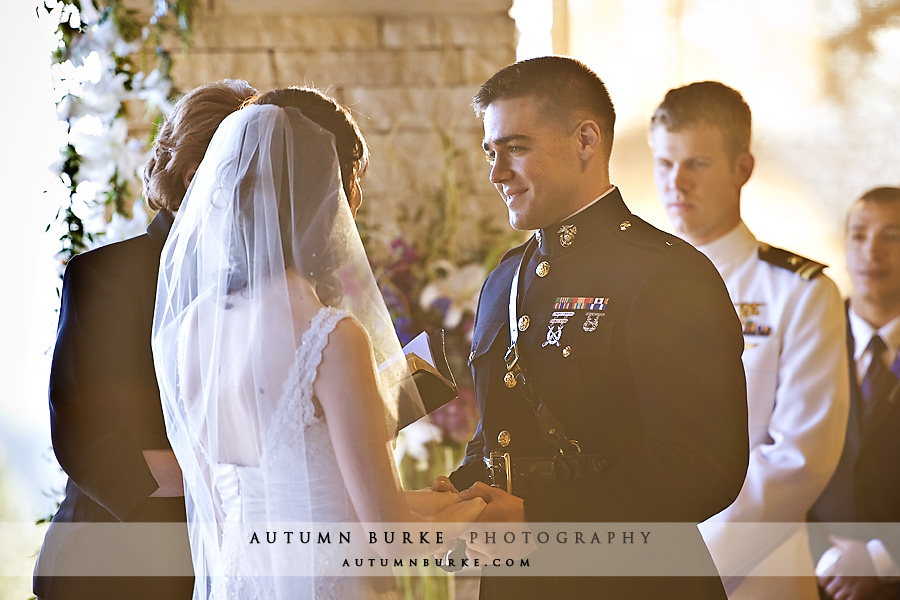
580, 303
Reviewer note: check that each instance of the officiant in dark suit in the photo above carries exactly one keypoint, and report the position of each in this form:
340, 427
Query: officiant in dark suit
106, 419
866, 486
609, 378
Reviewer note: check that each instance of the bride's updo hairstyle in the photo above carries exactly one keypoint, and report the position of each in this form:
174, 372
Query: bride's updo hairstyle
182, 141
317, 257
353, 153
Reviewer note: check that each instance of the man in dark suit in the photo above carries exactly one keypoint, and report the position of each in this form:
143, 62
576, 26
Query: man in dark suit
857, 564
632, 405
106, 419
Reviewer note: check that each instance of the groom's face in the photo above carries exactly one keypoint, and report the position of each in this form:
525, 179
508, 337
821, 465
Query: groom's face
534, 162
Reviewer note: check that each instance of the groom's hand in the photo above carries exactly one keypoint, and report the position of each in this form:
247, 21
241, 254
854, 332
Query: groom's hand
502, 507
443, 484
503, 518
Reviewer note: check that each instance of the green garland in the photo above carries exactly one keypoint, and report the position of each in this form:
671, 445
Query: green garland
82, 81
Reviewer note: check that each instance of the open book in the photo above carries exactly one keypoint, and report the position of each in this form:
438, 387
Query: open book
427, 361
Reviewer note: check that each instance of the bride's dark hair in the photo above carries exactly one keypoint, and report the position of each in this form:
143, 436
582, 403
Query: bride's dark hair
311, 253
353, 153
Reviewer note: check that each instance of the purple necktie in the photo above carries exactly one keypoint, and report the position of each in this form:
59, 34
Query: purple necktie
878, 381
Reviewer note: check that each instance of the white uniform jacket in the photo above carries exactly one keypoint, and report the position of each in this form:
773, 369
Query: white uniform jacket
795, 358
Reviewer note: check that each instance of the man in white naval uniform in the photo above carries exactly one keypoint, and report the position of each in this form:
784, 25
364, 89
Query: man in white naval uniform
795, 354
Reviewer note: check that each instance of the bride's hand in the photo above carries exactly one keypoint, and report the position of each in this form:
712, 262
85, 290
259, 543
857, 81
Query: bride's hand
428, 502
456, 520
464, 511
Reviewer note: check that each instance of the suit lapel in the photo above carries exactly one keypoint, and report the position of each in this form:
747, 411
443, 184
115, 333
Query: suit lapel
159, 227
854, 420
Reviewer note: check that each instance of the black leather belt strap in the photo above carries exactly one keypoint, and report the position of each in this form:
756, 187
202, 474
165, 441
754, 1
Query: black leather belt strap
516, 375
522, 475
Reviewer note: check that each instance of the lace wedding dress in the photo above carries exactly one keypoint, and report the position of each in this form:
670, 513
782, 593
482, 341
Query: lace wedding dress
297, 435
263, 240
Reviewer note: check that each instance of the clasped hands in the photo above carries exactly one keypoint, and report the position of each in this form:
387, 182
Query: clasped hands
469, 514
851, 575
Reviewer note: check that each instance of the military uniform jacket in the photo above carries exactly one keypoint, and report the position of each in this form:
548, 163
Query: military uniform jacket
795, 360
629, 337
104, 411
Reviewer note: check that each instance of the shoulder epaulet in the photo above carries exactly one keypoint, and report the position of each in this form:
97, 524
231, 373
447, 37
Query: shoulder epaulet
804, 267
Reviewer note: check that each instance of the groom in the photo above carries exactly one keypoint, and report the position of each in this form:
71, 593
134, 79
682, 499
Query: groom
625, 389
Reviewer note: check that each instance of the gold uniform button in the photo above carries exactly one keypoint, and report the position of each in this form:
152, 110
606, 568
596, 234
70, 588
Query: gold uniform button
524, 322
504, 438
542, 269
510, 380
624, 225
471, 356
567, 351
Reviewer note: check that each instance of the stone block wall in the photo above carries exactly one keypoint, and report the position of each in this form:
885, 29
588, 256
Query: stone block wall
408, 70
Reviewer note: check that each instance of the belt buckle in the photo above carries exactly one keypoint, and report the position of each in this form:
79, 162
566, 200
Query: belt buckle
511, 357
514, 372
500, 466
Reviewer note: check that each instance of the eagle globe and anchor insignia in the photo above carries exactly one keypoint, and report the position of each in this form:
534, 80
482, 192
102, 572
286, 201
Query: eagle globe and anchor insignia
567, 235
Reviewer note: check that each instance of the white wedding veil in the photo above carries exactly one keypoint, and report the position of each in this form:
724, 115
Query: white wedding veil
264, 238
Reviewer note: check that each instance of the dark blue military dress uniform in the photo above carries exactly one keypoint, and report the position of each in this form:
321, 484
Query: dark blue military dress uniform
628, 335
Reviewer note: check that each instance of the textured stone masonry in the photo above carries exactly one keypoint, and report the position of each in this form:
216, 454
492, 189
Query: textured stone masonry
407, 68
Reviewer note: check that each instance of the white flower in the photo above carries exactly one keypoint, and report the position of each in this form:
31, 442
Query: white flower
104, 98
154, 89
107, 152
459, 285
122, 228
91, 69
97, 146
66, 80
89, 12
100, 37
413, 441
87, 206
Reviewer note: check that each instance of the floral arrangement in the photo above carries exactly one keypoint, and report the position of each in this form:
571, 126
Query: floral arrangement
95, 80
427, 295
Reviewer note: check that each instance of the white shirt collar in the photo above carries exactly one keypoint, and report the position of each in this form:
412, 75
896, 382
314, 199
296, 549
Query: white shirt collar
731, 249
863, 332
591, 203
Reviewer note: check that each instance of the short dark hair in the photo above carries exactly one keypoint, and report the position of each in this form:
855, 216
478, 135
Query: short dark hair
563, 87
712, 103
882, 194
352, 151
878, 195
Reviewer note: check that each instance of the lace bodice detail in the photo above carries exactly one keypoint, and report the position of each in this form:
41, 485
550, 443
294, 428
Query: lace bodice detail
296, 409
299, 482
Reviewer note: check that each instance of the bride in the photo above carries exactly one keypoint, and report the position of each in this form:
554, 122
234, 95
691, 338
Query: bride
270, 340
